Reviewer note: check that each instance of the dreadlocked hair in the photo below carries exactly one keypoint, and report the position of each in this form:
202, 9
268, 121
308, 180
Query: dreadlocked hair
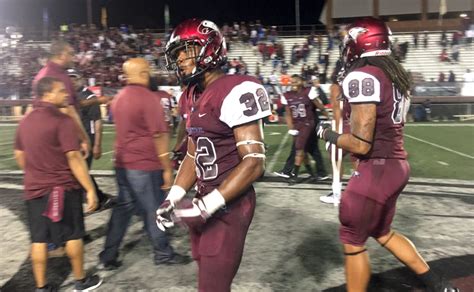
391, 67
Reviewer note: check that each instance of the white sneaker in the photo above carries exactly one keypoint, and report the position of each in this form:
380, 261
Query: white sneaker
281, 174
330, 199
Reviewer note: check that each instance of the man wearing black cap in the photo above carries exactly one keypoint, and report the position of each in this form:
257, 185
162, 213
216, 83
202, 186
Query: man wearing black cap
91, 119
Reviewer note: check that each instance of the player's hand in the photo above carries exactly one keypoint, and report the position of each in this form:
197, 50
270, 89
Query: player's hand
194, 214
97, 151
92, 202
293, 132
322, 127
164, 216
85, 149
167, 179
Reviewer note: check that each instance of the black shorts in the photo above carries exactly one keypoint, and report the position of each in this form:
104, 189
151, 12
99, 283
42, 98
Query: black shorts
71, 227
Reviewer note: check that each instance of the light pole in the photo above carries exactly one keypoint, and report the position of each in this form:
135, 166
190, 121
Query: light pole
89, 12
297, 16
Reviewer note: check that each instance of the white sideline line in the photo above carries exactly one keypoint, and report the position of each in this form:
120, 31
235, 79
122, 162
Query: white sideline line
11, 186
440, 147
108, 152
277, 153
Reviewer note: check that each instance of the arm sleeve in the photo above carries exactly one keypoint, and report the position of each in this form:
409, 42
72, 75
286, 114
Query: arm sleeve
361, 87
154, 116
67, 135
283, 100
245, 103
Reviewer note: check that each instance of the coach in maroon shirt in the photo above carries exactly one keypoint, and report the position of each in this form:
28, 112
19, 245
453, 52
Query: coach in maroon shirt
61, 58
142, 164
47, 149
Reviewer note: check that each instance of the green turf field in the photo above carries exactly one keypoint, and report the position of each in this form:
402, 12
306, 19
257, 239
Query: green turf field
435, 150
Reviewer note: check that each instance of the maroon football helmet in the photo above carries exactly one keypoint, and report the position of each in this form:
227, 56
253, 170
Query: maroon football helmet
212, 47
365, 37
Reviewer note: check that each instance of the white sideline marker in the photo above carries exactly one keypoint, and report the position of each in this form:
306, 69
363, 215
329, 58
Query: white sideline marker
440, 147
277, 153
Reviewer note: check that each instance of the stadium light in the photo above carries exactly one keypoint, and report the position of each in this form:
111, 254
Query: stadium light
463, 15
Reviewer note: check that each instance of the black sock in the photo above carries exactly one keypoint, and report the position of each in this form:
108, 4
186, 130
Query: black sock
296, 170
309, 169
430, 279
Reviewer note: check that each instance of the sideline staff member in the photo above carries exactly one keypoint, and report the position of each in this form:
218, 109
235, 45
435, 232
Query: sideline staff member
47, 149
142, 165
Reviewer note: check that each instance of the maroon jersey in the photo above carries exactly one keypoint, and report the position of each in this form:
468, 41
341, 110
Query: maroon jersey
301, 105
369, 84
230, 101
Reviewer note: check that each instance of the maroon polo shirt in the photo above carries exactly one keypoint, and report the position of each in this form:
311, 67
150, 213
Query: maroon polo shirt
52, 69
45, 136
138, 116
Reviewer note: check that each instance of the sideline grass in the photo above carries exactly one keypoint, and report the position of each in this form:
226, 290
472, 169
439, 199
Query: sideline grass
425, 160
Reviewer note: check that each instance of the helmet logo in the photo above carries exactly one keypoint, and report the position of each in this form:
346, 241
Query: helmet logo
356, 31
206, 27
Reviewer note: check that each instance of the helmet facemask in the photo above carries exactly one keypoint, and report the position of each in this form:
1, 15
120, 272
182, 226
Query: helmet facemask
205, 56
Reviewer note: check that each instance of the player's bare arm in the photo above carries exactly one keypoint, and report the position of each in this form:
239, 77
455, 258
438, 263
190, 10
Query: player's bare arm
359, 141
249, 138
180, 134
186, 176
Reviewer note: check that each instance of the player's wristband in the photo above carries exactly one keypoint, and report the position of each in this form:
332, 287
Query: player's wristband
331, 136
213, 201
175, 194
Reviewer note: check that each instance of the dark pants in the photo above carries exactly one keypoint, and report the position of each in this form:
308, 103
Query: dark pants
313, 150
137, 190
100, 195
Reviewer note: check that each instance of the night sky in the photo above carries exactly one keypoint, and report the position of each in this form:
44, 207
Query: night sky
149, 13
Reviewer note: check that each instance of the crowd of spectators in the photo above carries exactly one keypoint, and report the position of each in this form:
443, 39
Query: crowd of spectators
29, 62
99, 56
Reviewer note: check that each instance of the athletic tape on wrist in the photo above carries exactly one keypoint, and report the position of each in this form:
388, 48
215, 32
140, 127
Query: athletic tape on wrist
213, 201
175, 194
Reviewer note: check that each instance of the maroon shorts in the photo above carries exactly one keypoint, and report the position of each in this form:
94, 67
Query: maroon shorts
305, 132
368, 203
218, 248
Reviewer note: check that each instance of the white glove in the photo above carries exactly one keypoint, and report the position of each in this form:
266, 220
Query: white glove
293, 132
163, 214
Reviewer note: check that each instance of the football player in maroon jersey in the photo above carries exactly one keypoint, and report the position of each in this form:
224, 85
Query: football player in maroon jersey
300, 104
376, 87
225, 152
